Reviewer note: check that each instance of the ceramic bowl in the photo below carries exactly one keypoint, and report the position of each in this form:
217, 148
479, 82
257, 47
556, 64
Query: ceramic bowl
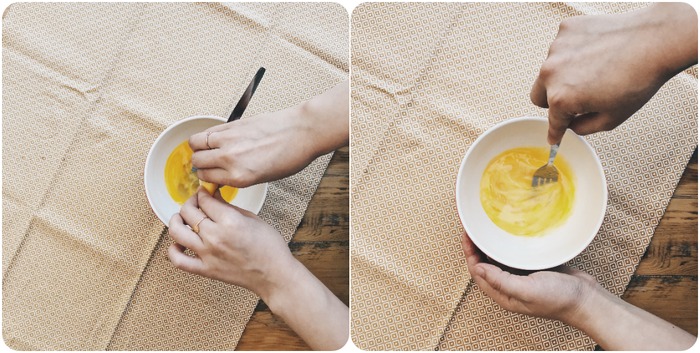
250, 198
557, 245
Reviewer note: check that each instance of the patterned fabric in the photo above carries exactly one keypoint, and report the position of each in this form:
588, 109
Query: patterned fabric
86, 90
427, 79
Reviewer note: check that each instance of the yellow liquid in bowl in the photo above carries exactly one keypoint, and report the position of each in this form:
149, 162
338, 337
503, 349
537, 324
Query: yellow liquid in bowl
511, 202
181, 182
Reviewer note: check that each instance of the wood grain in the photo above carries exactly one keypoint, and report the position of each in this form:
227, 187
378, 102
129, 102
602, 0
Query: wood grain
673, 298
666, 280
321, 243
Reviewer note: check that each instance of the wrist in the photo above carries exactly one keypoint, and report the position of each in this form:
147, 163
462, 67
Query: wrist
593, 304
311, 124
310, 309
581, 311
307, 128
277, 293
675, 36
327, 119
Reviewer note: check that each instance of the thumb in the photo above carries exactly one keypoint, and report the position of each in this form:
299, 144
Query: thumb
217, 195
498, 283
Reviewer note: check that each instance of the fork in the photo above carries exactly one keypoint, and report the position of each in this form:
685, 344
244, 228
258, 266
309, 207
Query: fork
547, 173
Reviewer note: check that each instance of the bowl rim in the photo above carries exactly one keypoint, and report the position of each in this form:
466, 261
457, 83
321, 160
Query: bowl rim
578, 250
150, 156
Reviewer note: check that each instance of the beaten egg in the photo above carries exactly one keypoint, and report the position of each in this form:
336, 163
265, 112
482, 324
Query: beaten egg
181, 182
511, 202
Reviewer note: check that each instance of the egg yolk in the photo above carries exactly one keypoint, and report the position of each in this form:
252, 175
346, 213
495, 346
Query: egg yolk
181, 182
513, 204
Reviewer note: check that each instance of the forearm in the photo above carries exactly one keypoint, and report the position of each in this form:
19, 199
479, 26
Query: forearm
310, 309
328, 117
676, 29
617, 325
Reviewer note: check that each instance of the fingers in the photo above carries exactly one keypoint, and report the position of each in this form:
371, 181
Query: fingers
471, 253
176, 254
538, 94
496, 282
183, 235
593, 122
216, 210
558, 123
206, 158
559, 118
483, 271
192, 214
218, 176
198, 141
487, 276
474, 256
217, 195
244, 212
466, 245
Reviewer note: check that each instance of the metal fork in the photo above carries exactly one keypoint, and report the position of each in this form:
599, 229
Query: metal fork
548, 173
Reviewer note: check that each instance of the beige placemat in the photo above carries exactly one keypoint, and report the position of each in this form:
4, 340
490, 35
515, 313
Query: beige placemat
410, 284
86, 90
388, 55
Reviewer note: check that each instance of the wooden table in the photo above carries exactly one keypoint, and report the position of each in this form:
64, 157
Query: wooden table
665, 283
322, 244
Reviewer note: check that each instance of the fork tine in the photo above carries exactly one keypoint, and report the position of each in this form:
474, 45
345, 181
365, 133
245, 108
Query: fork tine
543, 180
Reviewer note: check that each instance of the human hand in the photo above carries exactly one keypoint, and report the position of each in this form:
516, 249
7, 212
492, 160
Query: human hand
233, 245
250, 151
557, 294
274, 145
602, 69
574, 297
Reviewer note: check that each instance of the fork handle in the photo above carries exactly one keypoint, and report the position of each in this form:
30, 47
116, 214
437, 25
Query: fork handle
553, 153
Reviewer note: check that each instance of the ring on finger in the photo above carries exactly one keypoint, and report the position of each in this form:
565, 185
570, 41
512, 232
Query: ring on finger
209, 134
195, 228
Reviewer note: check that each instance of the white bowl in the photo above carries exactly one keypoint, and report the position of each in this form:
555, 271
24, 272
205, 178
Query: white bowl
557, 245
250, 198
